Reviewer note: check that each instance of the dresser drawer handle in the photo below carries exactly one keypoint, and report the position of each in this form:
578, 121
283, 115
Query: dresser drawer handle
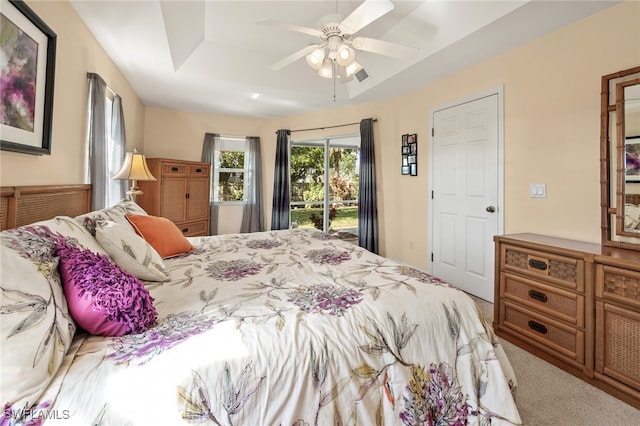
198, 170
174, 169
541, 297
185, 230
536, 326
538, 264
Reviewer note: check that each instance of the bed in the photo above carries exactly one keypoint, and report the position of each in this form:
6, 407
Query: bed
291, 327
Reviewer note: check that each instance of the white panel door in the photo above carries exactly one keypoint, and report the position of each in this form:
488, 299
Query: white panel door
465, 194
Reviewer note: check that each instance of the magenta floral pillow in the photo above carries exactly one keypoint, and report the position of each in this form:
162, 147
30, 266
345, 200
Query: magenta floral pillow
103, 299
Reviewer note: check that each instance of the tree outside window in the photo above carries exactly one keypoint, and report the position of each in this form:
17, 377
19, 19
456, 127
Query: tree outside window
230, 172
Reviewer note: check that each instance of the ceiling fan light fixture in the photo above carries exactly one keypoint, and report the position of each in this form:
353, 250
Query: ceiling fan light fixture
315, 58
342, 74
346, 55
326, 70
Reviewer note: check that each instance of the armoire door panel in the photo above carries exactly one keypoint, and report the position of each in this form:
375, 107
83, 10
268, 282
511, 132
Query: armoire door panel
174, 191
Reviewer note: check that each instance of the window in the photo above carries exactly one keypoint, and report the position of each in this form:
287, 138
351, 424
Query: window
229, 178
115, 154
324, 183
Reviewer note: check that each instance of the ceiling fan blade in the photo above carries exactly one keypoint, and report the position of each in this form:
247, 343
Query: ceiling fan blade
294, 57
291, 27
366, 13
384, 48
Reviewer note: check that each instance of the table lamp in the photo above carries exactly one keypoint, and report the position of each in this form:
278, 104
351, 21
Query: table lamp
134, 169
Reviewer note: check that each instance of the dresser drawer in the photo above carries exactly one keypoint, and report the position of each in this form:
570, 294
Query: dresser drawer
561, 304
550, 335
618, 284
174, 169
194, 229
561, 270
199, 170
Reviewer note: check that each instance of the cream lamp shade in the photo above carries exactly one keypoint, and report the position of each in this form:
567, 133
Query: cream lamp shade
134, 169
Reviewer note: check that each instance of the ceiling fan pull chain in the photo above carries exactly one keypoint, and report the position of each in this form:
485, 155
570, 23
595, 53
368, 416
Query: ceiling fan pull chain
334, 72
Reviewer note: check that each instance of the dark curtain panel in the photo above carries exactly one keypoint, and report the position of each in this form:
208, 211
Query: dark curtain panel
281, 178
252, 216
209, 147
367, 208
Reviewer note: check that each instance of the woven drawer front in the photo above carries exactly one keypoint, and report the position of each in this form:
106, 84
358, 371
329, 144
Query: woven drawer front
198, 170
174, 169
564, 305
193, 229
620, 284
554, 337
561, 270
620, 352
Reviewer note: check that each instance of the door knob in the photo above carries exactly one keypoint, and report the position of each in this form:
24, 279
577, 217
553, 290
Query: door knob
491, 209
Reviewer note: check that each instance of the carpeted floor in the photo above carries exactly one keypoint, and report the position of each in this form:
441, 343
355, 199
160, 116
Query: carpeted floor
547, 395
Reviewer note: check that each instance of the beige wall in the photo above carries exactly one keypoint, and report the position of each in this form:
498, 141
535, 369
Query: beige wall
77, 53
179, 134
552, 108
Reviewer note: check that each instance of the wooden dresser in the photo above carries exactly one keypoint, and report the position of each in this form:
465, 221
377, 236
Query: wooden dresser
180, 193
573, 304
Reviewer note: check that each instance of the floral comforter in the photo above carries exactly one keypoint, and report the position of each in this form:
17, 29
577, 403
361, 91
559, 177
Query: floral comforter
291, 328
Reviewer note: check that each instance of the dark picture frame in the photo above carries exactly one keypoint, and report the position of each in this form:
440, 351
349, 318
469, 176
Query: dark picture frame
410, 154
30, 132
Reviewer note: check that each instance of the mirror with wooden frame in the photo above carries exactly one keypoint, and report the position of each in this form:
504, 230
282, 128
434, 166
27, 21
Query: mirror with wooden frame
620, 159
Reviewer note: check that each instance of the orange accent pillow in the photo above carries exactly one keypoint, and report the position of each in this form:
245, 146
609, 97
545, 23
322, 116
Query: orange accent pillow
162, 234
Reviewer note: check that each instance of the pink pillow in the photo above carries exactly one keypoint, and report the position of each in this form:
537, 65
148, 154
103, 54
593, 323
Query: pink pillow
103, 299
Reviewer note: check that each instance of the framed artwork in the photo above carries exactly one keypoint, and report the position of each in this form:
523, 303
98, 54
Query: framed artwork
410, 154
27, 76
632, 158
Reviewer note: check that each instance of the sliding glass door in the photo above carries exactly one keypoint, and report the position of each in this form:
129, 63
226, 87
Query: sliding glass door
324, 184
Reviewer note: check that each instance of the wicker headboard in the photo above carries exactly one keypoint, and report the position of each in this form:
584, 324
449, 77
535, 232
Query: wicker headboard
22, 205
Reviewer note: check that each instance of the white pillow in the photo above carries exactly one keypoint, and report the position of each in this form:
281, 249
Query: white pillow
116, 213
130, 251
36, 328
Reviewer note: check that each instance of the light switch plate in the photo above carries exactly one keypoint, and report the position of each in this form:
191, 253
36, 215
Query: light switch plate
538, 190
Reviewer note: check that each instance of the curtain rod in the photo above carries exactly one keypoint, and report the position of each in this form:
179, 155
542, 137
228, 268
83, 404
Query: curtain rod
330, 127
106, 86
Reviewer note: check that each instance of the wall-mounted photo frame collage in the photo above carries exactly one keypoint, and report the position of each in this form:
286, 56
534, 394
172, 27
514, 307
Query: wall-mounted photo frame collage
410, 154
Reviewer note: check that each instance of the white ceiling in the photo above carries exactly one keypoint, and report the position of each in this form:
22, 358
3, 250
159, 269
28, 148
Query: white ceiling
212, 56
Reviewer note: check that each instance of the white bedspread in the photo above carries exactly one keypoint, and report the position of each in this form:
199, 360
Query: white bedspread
291, 328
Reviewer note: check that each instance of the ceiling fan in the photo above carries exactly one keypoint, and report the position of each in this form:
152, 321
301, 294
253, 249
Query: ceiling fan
334, 54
